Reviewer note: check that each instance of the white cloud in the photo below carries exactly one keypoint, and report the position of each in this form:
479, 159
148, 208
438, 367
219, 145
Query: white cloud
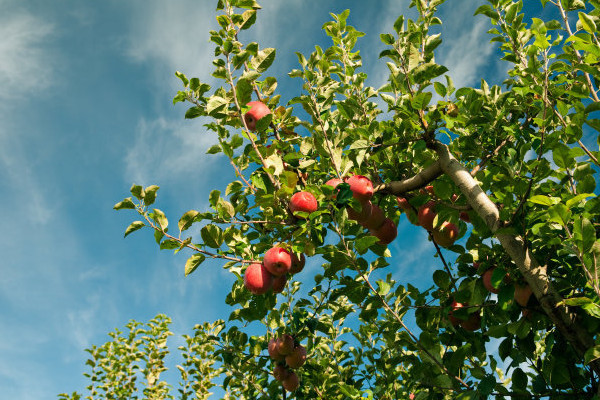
175, 36
466, 48
169, 149
25, 64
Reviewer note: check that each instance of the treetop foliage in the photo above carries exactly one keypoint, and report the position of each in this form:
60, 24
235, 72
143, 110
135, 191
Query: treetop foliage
502, 176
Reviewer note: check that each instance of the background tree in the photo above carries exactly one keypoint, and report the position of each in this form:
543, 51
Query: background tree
508, 169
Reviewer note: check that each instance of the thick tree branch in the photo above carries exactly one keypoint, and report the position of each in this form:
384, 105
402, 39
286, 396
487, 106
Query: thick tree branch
398, 188
535, 274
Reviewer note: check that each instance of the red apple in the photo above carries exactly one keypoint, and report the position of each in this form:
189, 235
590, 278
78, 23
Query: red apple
303, 201
464, 216
297, 263
257, 279
285, 344
376, 218
427, 215
333, 182
454, 197
296, 358
257, 111
291, 383
472, 323
411, 396
278, 261
362, 215
487, 280
273, 353
427, 190
446, 234
386, 233
403, 204
361, 186
280, 372
522, 294
279, 283
455, 306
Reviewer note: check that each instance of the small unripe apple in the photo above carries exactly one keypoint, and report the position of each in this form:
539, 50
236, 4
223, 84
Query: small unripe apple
522, 294
257, 279
376, 218
278, 261
403, 204
285, 344
297, 263
427, 215
296, 358
446, 234
386, 233
257, 110
279, 283
303, 201
362, 215
361, 187
273, 353
291, 383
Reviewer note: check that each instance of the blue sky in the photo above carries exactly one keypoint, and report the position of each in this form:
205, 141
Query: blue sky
86, 110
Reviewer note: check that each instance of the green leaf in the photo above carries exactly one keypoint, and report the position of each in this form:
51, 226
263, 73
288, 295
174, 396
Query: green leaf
214, 149
183, 78
383, 288
126, 203
544, 200
263, 60
579, 198
363, 244
212, 236
137, 191
135, 225
562, 156
243, 91
150, 194
442, 279
215, 105
248, 19
160, 218
560, 214
169, 244
587, 22
593, 353
420, 101
194, 112
440, 89
193, 262
519, 380
187, 220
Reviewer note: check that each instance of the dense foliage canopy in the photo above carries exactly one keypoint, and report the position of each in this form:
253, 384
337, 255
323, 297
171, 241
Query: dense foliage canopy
511, 166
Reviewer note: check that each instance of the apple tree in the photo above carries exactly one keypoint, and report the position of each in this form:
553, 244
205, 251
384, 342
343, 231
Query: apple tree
501, 176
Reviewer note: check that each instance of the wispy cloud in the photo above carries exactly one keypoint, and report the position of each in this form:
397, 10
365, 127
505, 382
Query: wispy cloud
24, 60
166, 148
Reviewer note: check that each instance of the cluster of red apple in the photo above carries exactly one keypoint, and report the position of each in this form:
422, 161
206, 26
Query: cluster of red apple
271, 274
444, 234
288, 355
473, 322
370, 215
